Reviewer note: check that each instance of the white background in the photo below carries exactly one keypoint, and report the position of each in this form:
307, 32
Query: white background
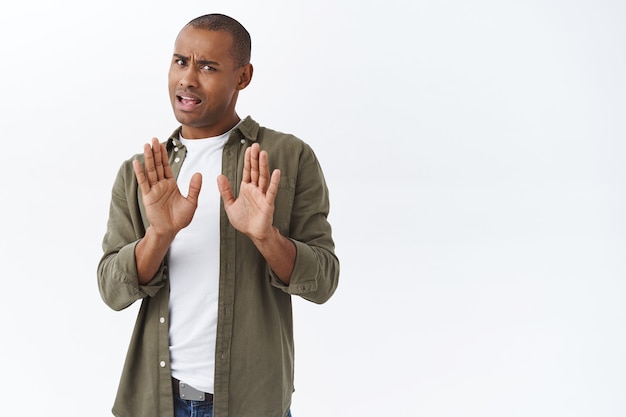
475, 157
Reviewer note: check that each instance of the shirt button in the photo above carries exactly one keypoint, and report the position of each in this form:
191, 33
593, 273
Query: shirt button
177, 160
162, 320
176, 149
243, 141
162, 363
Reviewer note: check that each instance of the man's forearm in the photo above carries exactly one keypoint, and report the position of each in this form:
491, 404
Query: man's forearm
149, 254
279, 253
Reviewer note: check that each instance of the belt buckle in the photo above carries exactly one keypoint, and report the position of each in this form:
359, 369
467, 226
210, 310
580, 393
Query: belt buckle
187, 392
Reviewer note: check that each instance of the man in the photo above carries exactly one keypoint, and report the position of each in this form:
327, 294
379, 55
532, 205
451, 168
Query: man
215, 270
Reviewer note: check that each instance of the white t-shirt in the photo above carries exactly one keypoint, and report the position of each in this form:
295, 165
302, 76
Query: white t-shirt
194, 262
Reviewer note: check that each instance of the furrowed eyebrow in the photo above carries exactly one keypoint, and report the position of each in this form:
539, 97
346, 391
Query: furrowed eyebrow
199, 62
211, 63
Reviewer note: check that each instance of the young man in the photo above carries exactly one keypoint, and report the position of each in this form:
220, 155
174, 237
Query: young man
215, 270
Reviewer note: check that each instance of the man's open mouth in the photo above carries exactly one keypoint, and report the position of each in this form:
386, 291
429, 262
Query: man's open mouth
188, 101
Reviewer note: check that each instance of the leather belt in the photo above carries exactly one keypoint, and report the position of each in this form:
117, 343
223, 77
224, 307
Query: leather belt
185, 391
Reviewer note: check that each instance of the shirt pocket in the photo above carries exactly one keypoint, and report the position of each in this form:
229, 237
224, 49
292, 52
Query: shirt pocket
283, 204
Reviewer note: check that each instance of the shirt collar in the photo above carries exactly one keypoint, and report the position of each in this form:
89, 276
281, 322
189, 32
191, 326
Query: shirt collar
247, 129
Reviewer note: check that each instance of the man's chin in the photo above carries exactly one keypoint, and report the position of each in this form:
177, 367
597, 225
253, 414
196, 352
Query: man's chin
187, 119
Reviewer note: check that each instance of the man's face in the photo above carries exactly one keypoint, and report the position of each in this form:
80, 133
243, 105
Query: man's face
204, 82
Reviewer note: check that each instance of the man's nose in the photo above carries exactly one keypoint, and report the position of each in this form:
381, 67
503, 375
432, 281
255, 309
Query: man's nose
189, 77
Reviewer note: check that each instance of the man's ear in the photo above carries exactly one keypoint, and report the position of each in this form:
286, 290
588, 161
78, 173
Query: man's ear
245, 76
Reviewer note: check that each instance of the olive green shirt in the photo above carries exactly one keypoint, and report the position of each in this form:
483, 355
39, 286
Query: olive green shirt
254, 352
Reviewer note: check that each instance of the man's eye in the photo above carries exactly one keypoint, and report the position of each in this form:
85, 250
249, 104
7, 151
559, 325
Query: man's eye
180, 62
208, 68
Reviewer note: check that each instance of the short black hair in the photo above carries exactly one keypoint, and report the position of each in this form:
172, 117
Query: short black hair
242, 44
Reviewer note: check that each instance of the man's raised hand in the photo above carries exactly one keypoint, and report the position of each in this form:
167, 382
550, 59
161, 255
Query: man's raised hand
167, 210
252, 212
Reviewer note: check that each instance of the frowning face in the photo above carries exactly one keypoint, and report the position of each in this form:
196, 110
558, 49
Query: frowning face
204, 82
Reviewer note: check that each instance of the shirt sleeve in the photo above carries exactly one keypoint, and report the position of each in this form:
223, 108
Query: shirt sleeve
316, 271
117, 270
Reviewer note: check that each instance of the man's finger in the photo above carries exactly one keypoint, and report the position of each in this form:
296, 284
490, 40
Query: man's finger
246, 166
159, 153
264, 170
272, 190
225, 191
254, 164
194, 188
167, 169
149, 164
141, 178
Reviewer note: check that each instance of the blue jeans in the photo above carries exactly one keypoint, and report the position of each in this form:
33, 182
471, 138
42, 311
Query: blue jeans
188, 408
